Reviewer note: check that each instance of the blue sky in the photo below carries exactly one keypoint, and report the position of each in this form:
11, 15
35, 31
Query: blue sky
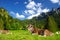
27, 9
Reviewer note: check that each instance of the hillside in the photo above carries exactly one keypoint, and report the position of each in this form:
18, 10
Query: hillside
47, 20
8, 22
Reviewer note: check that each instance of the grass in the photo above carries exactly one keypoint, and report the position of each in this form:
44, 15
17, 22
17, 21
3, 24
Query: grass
26, 35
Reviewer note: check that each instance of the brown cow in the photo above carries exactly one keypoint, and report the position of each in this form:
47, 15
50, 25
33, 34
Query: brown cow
38, 31
4, 31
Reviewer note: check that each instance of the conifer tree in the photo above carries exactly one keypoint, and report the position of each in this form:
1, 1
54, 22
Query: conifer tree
52, 24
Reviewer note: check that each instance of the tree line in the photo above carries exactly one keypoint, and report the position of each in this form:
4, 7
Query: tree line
49, 20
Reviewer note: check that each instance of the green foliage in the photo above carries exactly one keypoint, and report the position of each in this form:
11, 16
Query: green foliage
52, 24
56, 16
7, 22
1, 24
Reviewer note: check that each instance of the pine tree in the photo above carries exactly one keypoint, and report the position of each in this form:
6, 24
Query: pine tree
52, 24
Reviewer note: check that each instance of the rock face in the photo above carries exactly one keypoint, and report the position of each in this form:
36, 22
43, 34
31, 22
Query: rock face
38, 31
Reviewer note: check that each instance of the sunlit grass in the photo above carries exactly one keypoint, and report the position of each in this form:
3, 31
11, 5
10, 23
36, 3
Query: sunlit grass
26, 35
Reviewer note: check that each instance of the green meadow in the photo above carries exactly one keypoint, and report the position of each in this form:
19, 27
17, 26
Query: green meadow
26, 35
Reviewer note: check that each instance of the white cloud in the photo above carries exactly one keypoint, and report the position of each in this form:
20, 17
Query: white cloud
29, 12
30, 5
55, 1
39, 10
30, 17
35, 9
39, 4
19, 16
26, 11
36, 15
45, 10
16, 15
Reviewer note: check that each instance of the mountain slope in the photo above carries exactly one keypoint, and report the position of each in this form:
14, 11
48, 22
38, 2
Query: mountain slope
47, 20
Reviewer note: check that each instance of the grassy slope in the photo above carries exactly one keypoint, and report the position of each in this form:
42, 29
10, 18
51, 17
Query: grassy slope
25, 35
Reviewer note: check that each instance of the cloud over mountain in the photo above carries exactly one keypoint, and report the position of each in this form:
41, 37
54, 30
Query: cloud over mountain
34, 9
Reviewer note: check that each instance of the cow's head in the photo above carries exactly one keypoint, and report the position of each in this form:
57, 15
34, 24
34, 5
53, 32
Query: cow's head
30, 28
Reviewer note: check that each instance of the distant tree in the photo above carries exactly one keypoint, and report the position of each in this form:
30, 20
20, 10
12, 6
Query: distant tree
52, 24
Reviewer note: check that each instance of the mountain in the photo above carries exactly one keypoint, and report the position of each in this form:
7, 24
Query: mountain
49, 20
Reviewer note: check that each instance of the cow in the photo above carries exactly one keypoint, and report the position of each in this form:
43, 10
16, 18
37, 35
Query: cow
5, 32
42, 32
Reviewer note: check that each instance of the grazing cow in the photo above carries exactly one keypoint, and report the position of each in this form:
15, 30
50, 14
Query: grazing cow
38, 31
4, 31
